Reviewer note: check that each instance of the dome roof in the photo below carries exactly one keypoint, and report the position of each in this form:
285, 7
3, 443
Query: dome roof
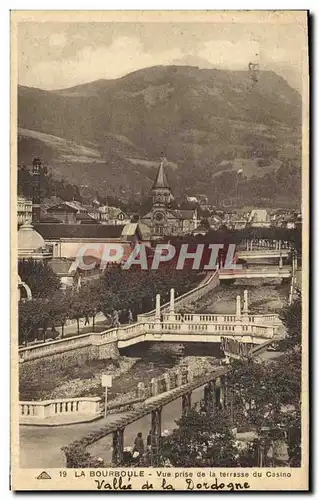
29, 238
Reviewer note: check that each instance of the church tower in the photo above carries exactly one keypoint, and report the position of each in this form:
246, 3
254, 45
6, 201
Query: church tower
161, 190
36, 191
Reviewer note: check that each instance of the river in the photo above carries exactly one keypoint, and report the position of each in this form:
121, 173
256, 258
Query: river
40, 446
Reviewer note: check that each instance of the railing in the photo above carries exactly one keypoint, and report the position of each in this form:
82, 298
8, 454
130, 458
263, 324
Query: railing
220, 318
258, 325
204, 284
39, 411
56, 407
267, 318
54, 346
270, 271
264, 244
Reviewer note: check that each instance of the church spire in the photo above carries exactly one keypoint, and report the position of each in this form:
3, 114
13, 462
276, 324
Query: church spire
161, 189
161, 179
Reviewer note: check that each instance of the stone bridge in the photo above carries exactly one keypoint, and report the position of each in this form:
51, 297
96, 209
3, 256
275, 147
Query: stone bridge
269, 272
216, 395
265, 249
167, 326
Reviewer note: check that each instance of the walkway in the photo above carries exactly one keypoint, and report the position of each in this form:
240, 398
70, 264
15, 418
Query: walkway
40, 447
269, 272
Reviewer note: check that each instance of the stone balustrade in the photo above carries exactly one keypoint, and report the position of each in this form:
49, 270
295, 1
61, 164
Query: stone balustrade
41, 410
193, 319
192, 323
48, 411
102, 345
170, 380
205, 286
264, 244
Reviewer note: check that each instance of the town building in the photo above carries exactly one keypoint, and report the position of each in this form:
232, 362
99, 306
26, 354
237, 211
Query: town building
67, 240
259, 218
163, 220
69, 212
24, 210
113, 215
31, 245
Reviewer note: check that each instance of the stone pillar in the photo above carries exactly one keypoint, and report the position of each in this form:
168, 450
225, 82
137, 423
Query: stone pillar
238, 326
238, 308
189, 375
141, 390
245, 308
290, 292
156, 431
224, 390
247, 245
158, 308
171, 316
280, 261
167, 381
218, 393
279, 245
179, 378
210, 395
186, 402
118, 447
251, 245
295, 263
153, 387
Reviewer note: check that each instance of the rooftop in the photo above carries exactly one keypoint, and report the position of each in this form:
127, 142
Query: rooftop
99, 231
161, 179
29, 239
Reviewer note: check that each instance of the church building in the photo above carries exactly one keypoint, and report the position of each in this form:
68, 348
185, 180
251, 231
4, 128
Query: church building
162, 220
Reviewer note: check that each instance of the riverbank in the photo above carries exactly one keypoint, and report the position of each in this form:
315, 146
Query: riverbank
130, 369
142, 362
263, 297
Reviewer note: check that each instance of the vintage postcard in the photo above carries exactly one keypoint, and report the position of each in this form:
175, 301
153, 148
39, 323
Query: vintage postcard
159, 253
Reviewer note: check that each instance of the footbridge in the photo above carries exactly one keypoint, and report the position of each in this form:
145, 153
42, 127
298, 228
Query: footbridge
269, 272
169, 326
262, 253
216, 396
266, 250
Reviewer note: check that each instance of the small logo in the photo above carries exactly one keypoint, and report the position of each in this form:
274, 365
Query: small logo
44, 475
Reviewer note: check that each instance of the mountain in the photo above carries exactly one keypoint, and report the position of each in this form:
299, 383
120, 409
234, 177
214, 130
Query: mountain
110, 134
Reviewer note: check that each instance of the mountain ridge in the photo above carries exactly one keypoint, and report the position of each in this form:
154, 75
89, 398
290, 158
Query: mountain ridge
198, 118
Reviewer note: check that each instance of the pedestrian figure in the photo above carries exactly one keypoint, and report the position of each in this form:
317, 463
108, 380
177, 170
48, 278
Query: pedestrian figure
116, 321
139, 444
149, 440
87, 321
130, 316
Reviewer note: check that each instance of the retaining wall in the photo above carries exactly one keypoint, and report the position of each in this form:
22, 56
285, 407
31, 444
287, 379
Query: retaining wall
34, 369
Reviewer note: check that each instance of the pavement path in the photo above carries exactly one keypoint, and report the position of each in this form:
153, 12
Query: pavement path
40, 447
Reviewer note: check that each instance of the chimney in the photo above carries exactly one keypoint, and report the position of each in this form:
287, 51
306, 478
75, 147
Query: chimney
36, 193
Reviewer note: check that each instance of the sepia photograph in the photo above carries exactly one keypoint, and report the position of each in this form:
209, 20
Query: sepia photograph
159, 250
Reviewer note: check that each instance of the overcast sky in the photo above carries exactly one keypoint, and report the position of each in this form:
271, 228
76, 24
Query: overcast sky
59, 55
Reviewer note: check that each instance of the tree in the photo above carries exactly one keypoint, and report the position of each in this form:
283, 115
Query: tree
202, 439
267, 398
78, 457
59, 309
90, 296
77, 308
32, 316
292, 320
40, 277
